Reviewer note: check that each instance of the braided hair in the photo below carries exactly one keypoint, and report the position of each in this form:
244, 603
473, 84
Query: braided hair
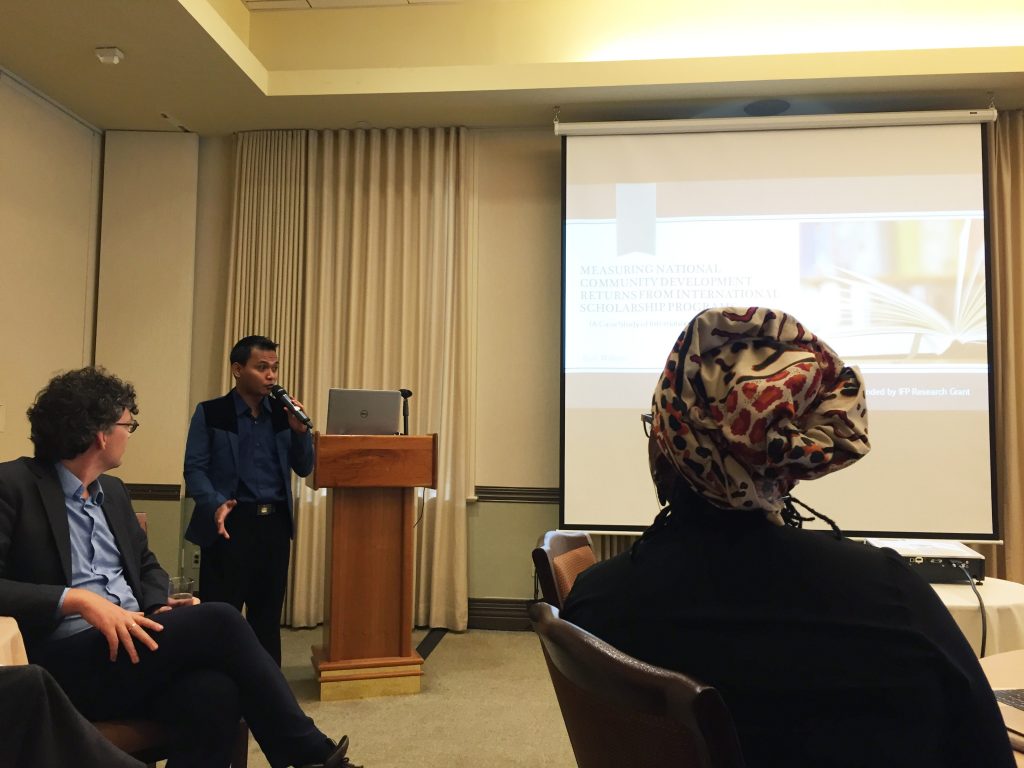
792, 518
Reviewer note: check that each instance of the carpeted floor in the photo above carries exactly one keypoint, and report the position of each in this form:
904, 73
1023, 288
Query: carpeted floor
486, 701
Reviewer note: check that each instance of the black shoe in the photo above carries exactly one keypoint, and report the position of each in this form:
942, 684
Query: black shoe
337, 758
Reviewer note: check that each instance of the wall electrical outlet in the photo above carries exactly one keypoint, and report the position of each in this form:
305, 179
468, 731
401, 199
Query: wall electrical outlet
195, 559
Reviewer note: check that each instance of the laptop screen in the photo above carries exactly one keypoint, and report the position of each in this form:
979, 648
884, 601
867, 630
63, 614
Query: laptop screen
363, 411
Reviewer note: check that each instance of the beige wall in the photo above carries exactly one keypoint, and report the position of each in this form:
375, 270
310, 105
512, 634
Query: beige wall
519, 352
144, 300
213, 248
519, 323
501, 537
164, 530
49, 198
50, 164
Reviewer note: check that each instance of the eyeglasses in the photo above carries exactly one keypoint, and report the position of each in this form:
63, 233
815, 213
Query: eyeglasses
131, 426
648, 420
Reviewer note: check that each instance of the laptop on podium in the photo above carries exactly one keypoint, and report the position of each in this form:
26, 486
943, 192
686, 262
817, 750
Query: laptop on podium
363, 411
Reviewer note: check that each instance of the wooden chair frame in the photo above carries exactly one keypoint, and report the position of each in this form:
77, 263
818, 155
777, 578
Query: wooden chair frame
558, 559
621, 711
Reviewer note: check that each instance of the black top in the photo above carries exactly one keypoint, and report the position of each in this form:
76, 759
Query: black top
828, 652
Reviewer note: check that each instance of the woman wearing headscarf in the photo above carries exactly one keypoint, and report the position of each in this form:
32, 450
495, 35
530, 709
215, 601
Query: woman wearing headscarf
828, 652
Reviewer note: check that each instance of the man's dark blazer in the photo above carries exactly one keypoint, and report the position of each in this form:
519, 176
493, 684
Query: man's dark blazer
35, 546
211, 461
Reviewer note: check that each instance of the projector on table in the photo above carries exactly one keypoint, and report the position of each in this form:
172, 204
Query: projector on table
938, 562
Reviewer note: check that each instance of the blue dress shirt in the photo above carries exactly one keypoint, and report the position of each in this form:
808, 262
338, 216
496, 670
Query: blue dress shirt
259, 471
96, 562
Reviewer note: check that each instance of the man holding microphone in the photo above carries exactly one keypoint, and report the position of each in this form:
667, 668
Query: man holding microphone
239, 456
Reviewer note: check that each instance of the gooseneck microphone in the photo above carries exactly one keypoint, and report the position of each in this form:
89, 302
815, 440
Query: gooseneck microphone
280, 393
406, 394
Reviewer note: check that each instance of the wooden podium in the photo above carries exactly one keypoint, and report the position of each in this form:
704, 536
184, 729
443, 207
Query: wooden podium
367, 642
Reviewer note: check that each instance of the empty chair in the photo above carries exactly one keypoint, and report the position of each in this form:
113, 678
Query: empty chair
620, 711
560, 556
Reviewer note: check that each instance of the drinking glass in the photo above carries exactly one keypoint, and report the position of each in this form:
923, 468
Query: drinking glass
179, 593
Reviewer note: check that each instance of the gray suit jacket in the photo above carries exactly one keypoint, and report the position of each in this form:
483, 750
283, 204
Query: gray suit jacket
35, 546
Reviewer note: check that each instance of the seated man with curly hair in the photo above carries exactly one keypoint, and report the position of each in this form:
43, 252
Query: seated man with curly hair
90, 597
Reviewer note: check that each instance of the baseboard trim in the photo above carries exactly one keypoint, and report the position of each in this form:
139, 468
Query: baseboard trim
517, 494
498, 613
154, 491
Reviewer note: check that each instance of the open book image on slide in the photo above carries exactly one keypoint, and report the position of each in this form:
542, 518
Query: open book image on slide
931, 302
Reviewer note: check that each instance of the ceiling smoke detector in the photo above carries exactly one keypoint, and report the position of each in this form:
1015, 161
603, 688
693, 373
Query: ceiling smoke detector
109, 55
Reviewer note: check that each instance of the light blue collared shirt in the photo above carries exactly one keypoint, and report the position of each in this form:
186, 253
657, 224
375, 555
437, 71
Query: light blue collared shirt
96, 562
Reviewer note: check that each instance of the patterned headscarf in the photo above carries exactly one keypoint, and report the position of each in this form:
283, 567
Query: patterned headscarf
751, 402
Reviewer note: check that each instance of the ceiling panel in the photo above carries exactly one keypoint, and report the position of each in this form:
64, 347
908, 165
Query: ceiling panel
173, 67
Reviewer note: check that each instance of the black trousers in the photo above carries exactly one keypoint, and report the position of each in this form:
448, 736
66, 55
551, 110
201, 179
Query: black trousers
40, 727
208, 672
251, 569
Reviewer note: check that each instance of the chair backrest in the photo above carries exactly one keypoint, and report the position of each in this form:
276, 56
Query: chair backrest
621, 711
560, 556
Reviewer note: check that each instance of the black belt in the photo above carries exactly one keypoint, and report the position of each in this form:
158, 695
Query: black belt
260, 509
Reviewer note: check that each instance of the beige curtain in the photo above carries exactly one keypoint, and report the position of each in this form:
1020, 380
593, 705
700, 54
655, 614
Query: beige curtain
1006, 203
367, 282
267, 269
267, 242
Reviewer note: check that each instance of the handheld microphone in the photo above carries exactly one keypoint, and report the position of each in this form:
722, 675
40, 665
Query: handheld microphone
280, 393
406, 394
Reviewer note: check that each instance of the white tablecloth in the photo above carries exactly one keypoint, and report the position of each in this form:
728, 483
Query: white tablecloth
1007, 671
1004, 607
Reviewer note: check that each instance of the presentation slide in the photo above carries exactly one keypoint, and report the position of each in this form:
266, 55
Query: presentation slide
874, 238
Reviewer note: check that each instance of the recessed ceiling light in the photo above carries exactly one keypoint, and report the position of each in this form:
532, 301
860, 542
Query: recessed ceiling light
109, 54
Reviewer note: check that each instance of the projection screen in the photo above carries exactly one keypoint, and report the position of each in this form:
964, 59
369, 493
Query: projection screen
874, 238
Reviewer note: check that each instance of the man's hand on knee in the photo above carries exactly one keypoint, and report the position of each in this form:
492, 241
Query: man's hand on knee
121, 628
